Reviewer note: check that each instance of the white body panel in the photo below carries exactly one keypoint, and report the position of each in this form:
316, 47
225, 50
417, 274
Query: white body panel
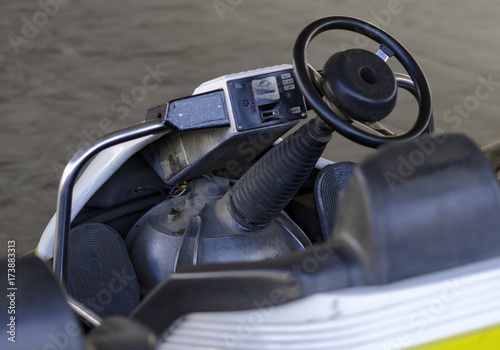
93, 177
397, 316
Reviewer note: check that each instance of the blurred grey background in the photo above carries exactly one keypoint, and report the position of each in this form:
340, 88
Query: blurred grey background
71, 70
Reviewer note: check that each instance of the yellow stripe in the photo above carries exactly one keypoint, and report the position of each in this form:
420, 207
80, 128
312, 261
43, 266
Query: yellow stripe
485, 339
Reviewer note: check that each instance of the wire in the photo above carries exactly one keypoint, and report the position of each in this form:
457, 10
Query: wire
179, 192
176, 187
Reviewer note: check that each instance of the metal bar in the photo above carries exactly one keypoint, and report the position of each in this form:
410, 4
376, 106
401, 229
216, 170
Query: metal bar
316, 76
84, 312
404, 81
70, 174
379, 128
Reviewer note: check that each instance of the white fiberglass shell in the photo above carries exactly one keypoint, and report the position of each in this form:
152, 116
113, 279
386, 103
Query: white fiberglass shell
93, 177
396, 316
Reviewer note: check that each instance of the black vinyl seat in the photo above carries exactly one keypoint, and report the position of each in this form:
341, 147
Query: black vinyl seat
42, 318
419, 207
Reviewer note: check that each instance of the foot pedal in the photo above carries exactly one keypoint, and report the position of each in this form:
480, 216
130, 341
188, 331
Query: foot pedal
330, 182
100, 274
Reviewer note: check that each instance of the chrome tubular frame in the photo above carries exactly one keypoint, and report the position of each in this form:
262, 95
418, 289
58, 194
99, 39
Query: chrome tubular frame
70, 175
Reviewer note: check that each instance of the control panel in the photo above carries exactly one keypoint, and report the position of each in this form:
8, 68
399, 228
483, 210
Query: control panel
259, 98
266, 99
226, 123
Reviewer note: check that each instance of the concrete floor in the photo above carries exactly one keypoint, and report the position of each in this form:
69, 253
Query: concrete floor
63, 73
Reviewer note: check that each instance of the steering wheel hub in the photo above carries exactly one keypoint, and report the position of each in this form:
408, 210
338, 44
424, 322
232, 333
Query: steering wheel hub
360, 84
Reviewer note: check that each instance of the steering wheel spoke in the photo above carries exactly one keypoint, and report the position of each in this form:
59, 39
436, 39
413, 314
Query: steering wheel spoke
316, 78
376, 127
384, 53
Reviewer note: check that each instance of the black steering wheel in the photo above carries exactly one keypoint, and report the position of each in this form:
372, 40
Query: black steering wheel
359, 84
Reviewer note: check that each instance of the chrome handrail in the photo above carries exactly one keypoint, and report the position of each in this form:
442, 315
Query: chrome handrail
70, 175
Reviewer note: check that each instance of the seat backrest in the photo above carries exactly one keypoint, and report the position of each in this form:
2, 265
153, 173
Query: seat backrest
419, 207
39, 317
